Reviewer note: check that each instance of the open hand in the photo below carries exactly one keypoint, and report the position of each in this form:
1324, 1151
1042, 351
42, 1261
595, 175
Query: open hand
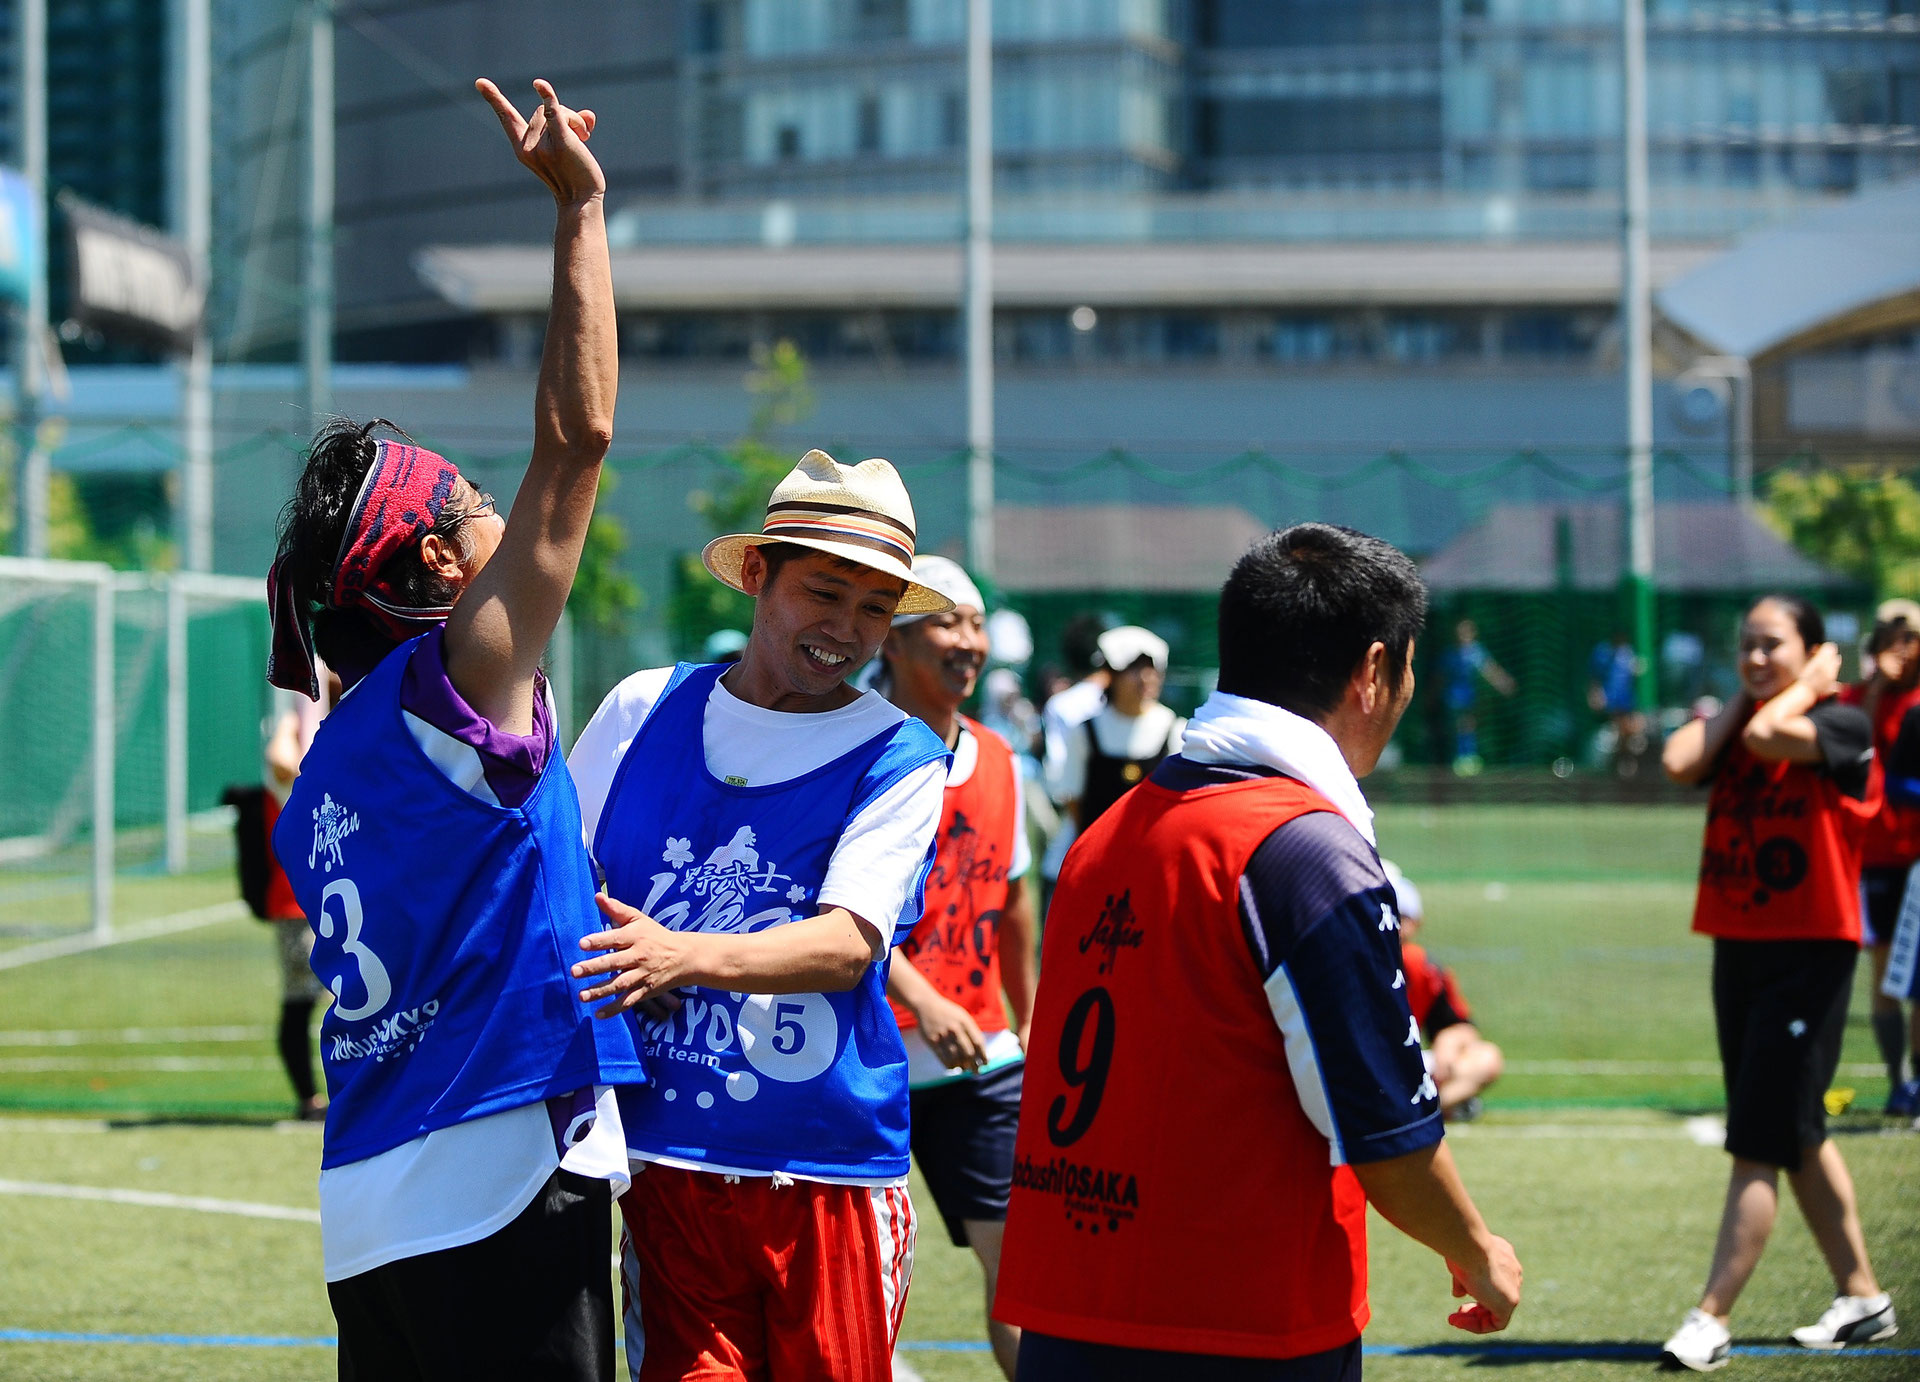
553, 142
1495, 1291
1822, 672
953, 1034
643, 957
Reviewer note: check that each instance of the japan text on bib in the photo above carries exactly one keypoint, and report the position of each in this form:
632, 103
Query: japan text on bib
809, 1084
443, 926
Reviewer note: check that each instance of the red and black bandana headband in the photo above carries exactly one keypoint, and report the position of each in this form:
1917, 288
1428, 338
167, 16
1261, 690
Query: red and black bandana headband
401, 499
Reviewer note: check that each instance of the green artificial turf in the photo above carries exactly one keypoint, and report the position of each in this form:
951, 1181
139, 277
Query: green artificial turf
1612, 1212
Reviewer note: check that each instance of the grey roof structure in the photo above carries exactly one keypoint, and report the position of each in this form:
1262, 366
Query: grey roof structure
1160, 547
1703, 548
1780, 284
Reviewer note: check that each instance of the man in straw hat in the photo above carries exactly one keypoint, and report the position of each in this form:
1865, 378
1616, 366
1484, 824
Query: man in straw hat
766, 830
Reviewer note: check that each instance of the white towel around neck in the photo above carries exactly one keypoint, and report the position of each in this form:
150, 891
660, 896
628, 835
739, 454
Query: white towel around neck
1234, 729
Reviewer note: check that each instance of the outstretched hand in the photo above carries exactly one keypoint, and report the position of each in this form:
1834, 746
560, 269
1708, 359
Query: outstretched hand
644, 959
553, 142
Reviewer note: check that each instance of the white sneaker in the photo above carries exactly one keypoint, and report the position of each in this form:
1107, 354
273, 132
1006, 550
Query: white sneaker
1701, 1343
1851, 1320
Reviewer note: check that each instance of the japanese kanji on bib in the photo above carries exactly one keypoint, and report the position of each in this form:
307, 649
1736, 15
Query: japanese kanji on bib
444, 927
956, 946
1169, 1190
1781, 858
809, 1084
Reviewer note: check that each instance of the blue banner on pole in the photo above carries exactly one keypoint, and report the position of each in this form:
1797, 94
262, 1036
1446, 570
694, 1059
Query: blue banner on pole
22, 247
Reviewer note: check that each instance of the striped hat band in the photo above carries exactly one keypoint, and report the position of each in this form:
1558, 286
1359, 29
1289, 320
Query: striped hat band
840, 523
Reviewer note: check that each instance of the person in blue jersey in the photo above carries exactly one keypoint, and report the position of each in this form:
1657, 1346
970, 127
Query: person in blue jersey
473, 1141
765, 831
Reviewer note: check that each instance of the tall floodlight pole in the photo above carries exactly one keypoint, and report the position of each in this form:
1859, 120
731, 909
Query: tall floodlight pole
1636, 324
193, 218
317, 324
979, 286
36, 465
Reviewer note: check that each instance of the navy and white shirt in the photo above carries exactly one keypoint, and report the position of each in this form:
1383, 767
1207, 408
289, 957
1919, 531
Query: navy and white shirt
1319, 918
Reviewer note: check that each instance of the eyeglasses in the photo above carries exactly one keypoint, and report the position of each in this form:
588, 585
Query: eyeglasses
485, 505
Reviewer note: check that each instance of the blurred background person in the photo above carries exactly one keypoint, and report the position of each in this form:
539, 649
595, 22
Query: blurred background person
1613, 690
1889, 687
1129, 735
1062, 713
1467, 664
1462, 1062
1790, 770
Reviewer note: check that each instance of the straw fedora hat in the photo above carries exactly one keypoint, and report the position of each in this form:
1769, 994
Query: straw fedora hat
859, 513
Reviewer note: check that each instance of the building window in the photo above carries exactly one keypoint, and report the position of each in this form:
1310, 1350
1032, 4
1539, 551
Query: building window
1300, 340
786, 142
867, 125
879, 21
953, 119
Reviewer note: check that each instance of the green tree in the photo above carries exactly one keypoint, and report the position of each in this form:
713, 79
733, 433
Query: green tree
603, 601
752, 467
1863, 521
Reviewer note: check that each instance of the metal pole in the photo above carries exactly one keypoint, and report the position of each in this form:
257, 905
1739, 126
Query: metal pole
103, 757
176, 761
560, 677
1743, 435
36, 466
317, 335
979, 286
193, 215
1636, 323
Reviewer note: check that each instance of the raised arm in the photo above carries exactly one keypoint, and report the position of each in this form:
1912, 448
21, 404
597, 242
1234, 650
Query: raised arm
500, 627
1780, 731
1691, 751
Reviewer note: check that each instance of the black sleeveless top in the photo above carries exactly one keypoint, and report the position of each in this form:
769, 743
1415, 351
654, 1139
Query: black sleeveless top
1110, 777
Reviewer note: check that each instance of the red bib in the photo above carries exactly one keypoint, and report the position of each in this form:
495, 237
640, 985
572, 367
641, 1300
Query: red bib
1426, 981
1782, 854
1168, 1190
956, 946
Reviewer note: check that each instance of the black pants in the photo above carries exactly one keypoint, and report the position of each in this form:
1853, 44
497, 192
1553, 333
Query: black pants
1045, 1358
533, 1300
1780, 1008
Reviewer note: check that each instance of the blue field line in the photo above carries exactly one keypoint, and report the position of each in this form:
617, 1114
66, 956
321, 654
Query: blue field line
1499, 1351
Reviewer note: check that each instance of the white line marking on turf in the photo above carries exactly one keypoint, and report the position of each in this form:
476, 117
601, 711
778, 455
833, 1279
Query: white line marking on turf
1706, 1131
172, 1065
154, 1199
131, 1036
134, 931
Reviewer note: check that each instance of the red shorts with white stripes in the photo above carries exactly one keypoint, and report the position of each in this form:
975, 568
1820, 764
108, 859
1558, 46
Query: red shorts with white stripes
747, 1280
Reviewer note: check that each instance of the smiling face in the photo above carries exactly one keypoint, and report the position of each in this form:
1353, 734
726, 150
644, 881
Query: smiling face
1772, 653
815, 621
937, 660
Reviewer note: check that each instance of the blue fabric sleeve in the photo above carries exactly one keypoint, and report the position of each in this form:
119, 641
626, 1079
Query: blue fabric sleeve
1319, 918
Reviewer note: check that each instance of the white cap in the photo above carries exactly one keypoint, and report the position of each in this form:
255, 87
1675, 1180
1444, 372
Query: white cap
1010, 637
1406, 897
1122, 647
943, 577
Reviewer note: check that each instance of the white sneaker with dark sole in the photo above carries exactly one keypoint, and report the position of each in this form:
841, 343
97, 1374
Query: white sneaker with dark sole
1851, 1320
1701, 1343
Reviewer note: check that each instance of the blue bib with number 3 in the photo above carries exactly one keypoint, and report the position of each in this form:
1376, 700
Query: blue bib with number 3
444, 926
810, 1084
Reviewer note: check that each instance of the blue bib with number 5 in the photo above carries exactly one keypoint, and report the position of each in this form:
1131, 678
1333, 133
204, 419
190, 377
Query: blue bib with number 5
810, 1084
444, 926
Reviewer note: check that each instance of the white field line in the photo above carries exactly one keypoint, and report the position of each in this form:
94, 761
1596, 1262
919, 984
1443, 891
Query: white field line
155, 1200
177, 1065
132, 1036
135, 931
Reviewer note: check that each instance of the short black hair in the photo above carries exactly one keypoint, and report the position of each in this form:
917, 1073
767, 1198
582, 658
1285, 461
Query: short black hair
778, 554
1807, 619
1303, 606
311, 528
1080, 642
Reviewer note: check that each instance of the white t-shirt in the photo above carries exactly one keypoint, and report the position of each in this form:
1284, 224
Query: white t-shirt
873, 867
1153, 731
456, 1185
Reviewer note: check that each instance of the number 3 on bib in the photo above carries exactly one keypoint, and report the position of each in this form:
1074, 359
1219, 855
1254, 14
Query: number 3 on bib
373, 974
1089, 1076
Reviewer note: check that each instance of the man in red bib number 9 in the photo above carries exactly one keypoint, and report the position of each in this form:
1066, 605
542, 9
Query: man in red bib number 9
1225, 1068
